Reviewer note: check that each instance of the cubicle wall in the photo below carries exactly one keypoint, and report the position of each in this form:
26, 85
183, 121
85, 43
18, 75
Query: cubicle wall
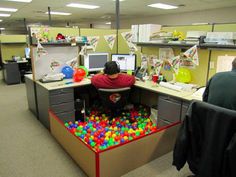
200, 74
124, 48
43, 64
12, 45
102, 45
216, 52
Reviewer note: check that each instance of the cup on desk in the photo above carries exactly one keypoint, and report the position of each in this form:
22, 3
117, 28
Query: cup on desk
155, 78
129, 72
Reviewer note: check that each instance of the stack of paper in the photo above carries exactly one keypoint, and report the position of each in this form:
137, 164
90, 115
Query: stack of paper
226, 38
193, 37
146, 31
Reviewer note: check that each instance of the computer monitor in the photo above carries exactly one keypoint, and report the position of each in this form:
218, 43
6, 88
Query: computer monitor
27, 52
126, 61
95, 61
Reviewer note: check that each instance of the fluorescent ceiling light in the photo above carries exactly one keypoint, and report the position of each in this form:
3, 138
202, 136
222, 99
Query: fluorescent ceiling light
0, 20
162, 6
7, 9
108, 23
20, 0
59, 13
5, 15
2, 28
83, 6
119, 0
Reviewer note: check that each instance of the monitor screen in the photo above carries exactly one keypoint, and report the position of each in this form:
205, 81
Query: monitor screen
27, 52
95, 61
126, 61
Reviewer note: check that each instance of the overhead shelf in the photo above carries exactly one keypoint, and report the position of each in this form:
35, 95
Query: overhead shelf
203, 46
13, 43
60, 44
164, 44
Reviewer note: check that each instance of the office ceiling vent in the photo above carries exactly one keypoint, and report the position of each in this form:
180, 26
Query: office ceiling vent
39, 12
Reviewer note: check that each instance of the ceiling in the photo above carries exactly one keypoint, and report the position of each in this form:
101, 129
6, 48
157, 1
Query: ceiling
34, 12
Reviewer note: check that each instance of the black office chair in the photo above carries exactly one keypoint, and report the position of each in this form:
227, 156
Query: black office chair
207, 141
114, 99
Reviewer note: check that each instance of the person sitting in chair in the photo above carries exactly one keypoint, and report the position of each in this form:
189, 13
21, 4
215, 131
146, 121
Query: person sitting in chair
112, 78
220, 89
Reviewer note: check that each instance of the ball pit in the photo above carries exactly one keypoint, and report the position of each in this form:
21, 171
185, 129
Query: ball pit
101, 133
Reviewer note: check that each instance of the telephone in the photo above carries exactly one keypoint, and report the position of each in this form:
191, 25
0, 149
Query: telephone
140, 73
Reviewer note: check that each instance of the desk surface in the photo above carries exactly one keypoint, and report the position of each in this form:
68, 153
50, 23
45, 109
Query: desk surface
148, 85
21, 61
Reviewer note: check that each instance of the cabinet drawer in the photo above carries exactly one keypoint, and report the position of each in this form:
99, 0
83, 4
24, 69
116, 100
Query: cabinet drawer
61, 98
66, 116
169, 109
63, 107
61, 91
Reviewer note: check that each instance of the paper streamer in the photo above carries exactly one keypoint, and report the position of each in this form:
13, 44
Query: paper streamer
158, 66
40, 50
127, 36
175, 63
110, 39
192, 54
83, 51
132, 48
73, 63
93, 41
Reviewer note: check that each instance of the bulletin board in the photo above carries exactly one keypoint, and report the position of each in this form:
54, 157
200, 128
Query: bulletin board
43, 64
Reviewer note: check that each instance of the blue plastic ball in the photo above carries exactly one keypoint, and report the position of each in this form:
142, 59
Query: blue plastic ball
68, 72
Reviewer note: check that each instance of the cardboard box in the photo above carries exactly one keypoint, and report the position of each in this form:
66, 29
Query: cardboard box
119, 159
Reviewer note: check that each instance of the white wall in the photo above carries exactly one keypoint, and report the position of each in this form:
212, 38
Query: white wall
223, 15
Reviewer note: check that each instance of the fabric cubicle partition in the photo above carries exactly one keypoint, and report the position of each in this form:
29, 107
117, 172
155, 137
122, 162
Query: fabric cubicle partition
215, 53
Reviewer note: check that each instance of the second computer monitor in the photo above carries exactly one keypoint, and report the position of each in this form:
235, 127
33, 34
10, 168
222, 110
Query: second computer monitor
126, 61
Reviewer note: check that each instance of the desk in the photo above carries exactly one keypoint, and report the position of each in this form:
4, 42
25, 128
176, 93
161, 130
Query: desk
60, 96
13, 72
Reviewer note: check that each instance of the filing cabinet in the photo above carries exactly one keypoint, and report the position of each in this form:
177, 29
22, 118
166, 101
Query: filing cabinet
60, 101
169, 109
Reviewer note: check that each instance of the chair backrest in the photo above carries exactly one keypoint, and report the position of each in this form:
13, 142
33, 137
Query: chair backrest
204, 138
114, 98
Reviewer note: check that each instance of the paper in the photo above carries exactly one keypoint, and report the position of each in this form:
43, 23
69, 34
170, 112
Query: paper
199, 92
224, 63
110, 39
166, 53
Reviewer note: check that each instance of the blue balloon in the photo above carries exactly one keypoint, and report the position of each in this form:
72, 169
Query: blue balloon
68, 72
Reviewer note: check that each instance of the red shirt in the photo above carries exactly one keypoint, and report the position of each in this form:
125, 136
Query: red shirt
103, 81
